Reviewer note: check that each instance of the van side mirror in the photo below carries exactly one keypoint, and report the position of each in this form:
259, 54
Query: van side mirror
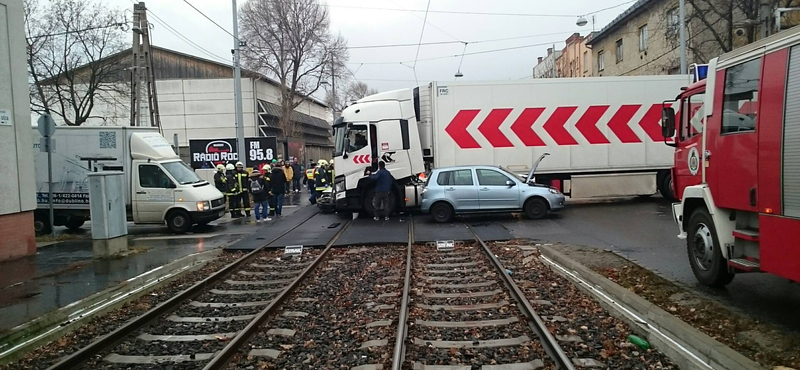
667, 122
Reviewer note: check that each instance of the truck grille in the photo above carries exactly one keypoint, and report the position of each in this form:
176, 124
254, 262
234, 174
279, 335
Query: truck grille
217, 202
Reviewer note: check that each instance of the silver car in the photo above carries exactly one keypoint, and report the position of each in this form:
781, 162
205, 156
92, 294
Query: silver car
484, 189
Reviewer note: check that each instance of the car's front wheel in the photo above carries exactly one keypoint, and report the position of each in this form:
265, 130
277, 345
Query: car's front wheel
442, 212
535, 208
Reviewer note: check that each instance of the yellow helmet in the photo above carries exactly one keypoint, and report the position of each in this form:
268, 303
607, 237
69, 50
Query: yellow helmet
322, 162
331, 162
220, 168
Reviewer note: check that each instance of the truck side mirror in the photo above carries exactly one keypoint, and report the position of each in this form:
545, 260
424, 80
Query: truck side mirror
346, 147
667, 122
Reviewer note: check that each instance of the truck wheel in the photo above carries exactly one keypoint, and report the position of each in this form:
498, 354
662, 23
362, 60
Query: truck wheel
41, 223
665, 187
74, 222
705, 255
369, 202
535, 208
179, 221
442, 212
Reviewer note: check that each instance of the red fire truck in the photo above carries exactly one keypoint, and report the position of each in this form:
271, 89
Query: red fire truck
737, 162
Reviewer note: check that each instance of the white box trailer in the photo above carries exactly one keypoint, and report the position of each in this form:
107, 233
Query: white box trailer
592, 127
159, 187
603, 134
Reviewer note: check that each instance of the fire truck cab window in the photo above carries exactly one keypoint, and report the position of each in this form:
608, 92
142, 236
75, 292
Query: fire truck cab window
740, 104
358, 138
693, 116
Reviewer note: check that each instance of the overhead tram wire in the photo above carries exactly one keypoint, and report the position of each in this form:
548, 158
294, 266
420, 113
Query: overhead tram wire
475, 13
459, 42
175, 32
210, 20
463, 54
419, 44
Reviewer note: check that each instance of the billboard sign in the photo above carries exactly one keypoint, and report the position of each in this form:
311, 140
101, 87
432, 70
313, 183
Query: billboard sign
208, 153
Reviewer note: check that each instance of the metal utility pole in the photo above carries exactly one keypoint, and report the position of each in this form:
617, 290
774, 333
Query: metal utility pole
682, 17
333, 90
143, 84
553, 70
237, 87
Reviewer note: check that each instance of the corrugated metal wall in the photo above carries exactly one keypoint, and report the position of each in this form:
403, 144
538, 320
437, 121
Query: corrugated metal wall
791, 138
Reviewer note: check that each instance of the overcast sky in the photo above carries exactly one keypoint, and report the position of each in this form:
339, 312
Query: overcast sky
392, 25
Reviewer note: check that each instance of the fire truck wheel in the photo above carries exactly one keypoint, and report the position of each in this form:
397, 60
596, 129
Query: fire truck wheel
705, 255
179, 221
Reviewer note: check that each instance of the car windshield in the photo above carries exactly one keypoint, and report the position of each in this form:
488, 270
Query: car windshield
339, 134
181, 173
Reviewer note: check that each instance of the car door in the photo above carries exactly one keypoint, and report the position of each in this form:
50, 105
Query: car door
689, 150
460, 190
493, 191
154, 193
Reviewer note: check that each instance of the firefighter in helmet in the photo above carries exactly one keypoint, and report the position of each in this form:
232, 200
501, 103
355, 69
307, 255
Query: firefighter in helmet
321, 177
242, 198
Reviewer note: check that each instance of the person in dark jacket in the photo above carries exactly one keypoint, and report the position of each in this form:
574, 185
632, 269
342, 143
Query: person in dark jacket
278, 183
298, 175
260, 188
383, 187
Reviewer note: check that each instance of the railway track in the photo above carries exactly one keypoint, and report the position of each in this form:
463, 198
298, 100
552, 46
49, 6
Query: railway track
203, 326
369, 307
465, 310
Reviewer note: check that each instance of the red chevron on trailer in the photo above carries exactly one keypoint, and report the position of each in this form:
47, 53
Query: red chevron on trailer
361, 159
555, 126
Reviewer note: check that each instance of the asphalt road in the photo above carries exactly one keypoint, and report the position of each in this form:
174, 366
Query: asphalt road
642, 230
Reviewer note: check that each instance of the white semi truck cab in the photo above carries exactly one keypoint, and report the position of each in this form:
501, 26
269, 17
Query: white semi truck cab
381, 127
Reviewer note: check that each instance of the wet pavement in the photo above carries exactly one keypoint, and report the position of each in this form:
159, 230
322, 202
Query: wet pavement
642, 230
65, 272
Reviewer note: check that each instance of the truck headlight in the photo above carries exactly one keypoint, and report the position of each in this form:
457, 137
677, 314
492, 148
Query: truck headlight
554, 190
338, 187
202, 206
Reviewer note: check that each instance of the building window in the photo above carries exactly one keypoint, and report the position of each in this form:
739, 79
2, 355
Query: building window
740, 104
601, 60
643, 38
585, 61
619, 50
673, 21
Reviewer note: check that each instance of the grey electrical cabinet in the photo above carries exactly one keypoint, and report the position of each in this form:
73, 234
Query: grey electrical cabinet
107, 204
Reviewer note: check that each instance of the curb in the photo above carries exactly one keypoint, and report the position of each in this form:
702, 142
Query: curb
29, 336
688, 347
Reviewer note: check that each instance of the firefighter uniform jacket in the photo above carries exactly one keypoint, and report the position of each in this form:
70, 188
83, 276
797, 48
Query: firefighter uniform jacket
321, 178
241, 182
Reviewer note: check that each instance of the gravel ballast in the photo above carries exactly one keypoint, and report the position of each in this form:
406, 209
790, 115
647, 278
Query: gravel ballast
336, 315
467, 265
583, 328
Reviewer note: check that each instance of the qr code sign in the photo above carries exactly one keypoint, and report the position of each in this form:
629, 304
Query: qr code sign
108, 140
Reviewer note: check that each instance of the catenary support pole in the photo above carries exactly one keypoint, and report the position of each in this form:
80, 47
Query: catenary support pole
237, 87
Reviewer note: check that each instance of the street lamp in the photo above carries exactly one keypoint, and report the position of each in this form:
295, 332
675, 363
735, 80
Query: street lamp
582, 21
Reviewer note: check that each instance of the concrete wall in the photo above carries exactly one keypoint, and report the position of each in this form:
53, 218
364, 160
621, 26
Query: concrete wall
18, 199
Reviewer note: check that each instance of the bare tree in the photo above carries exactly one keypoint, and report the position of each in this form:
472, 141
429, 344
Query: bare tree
291, 40
713, 24
68, 41
351, 92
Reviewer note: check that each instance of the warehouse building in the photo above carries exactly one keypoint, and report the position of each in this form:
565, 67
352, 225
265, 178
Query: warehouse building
196, 101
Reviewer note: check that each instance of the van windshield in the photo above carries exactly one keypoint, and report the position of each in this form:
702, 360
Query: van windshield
181, 173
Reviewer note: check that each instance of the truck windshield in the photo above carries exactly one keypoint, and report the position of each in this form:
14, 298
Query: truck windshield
181, 173
339, 133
